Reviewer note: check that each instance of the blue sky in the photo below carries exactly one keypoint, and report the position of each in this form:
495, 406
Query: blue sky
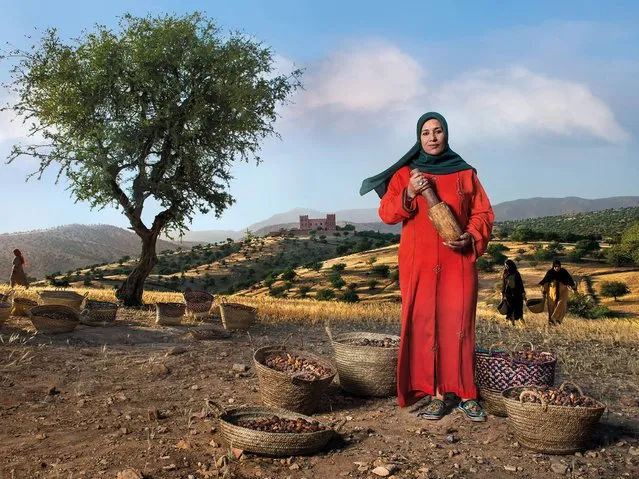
540, 98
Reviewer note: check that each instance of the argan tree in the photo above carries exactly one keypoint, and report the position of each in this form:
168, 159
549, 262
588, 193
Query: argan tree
156, 111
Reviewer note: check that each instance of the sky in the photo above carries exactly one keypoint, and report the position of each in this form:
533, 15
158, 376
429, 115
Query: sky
540, 98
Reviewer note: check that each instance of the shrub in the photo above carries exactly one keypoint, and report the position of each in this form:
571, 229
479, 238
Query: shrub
614, 289
304, 290
394, 276
289, 274
484, 265
349, 297
382, 270
583, 306
371, 260
339, 267
371, 283
337, 281
325, 294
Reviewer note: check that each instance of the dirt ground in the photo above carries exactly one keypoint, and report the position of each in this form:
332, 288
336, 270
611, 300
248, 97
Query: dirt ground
97, 401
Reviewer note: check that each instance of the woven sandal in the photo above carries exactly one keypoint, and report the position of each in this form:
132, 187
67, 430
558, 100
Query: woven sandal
472, 410
434, 410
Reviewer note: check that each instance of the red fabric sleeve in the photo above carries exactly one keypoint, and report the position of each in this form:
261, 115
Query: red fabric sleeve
480, 222
395, 205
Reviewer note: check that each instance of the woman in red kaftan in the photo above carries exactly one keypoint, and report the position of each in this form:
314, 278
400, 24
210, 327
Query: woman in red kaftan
438, 281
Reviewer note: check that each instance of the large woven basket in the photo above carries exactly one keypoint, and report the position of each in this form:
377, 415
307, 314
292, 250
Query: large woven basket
365, 370
547, 428
492, 401
64, 298
54, 318
281, 390
98, 313
5, 311
198, 303
169, 314
237, 316
496, 370
536, 305
268, 443
21, 306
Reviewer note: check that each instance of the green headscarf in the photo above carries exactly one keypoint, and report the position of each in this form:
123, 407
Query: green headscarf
447, 162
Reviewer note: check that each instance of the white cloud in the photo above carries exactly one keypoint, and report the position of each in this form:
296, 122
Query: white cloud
379, 84
489, 103
365, 78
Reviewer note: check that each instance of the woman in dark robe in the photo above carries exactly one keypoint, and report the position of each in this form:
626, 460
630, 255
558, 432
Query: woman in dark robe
555, 289
18, 276
513, 292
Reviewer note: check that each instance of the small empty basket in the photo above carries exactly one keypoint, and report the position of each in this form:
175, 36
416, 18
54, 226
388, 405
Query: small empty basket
198, 303
5, 311
237, 316
98, 313
170, 314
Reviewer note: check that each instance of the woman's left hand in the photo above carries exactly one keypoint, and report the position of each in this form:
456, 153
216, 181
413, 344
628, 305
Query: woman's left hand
461, 243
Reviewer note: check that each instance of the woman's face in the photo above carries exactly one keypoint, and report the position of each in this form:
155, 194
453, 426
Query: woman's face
433, 137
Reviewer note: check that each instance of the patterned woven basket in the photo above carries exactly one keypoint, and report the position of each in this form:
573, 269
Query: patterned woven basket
496, 370
365, 370
536, 305
548, 428
237, 316
21, 306
64, 298
281, 390
169, 314
54, 318
98, 313
5, 311
198, 303
268, 443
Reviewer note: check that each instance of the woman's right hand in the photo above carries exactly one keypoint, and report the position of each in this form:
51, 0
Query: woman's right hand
417, 183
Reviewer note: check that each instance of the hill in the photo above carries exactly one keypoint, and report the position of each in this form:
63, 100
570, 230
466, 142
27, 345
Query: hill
233, 265
601, 224
543, 207
69, 247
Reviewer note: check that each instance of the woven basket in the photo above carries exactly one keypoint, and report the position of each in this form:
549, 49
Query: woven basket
365, 370
551, 429
98, 313
237, 316
65, 320
496, 370
169, 314
6, 296
281, 390
64, 298
5, 311
268, 443
536, 305
198, 303
492, 401
21, 306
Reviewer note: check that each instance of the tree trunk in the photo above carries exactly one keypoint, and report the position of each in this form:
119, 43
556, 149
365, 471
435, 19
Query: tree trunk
130, 292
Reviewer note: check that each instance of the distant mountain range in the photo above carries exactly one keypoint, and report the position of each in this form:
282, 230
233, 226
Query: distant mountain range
367, 218
69, 247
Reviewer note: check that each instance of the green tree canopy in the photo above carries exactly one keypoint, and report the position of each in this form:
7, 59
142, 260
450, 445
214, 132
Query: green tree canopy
159, 109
